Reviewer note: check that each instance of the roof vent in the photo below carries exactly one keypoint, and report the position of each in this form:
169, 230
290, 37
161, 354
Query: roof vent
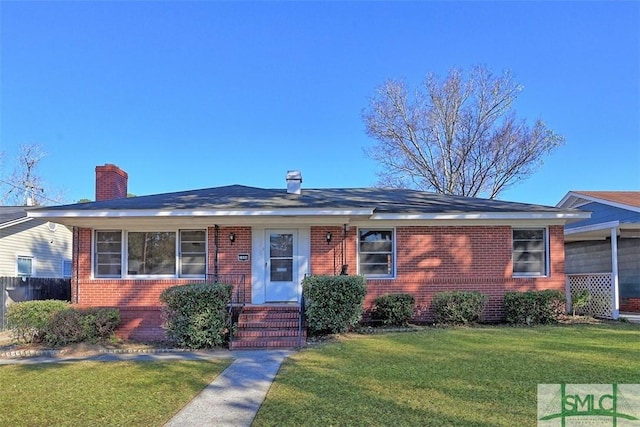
294, 181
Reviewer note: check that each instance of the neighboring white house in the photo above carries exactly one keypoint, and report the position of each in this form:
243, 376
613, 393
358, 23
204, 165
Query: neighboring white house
30, 247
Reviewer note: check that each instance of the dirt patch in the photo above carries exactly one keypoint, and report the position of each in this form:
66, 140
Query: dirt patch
580, 320
7, 344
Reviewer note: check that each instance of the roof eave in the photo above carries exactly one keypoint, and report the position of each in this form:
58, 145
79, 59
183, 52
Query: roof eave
138, 213
563, 216
574, 199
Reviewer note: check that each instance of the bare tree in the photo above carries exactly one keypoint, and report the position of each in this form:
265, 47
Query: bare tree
25, 187
456, 135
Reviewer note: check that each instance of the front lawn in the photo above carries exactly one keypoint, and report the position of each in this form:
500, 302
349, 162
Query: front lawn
101, 393
485, 376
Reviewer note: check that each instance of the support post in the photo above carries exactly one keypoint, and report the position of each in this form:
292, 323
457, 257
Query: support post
615, 294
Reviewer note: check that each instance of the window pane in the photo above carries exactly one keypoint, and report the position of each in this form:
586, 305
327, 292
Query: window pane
151, 253
191, 247
193, 235
281, 270
24, 266
376, 246
281, 245
374, 269
109, 247
66, 268
528, 234
108, 270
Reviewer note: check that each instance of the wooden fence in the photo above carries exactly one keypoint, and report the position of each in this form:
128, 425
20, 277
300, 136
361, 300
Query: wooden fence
18, 289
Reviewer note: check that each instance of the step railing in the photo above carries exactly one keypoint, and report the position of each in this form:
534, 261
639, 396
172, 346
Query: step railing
301, 321
238, 295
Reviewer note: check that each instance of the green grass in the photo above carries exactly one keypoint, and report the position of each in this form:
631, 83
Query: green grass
99, 393
484, 376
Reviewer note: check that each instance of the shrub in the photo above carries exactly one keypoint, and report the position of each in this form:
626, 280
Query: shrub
29, 320
459, 307
82, 325
333, 304
197, 314
580, 302
533, 307
394, 309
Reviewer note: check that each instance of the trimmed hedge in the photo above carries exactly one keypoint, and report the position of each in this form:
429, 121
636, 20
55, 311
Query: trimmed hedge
533, 307
82, 325
30, 320
394, 309
333, 304
459, 307
197, 314
57, 322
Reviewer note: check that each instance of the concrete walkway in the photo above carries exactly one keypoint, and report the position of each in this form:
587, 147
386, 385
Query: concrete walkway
234, 397
231, 400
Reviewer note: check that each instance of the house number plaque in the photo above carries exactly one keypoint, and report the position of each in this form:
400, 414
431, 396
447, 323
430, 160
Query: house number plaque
243, 257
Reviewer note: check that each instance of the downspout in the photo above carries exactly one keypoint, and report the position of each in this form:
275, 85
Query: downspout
75, 256
343, 268
215, 252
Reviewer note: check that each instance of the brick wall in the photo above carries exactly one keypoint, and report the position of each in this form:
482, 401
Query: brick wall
630, 305
429, 260
327, 258
435, 259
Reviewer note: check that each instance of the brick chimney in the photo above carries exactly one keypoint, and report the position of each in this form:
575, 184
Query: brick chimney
111, 182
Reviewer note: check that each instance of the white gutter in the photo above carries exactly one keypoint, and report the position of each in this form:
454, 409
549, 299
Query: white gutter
199, 213
484, 216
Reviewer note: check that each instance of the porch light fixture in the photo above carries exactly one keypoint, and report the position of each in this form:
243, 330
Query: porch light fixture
328, 237
232, 237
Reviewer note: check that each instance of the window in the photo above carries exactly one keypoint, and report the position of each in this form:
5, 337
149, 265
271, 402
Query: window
375, 252
108, 254
192, 252
25, 266
530, 253
150, 253
66, 268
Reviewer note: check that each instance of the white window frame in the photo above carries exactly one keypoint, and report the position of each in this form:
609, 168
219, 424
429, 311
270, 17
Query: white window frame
95, 253
125, 260
124, 255
33, 266
180, 253
394, 258
546, 261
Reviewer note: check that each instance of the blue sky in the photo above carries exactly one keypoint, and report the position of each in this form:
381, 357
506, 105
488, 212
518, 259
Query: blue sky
194, 94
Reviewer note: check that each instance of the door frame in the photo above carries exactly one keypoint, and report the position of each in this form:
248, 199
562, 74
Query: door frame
302, 255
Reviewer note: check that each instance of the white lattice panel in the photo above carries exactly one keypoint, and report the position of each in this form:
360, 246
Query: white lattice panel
599, 286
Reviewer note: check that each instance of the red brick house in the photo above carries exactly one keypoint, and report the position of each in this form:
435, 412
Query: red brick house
127, 250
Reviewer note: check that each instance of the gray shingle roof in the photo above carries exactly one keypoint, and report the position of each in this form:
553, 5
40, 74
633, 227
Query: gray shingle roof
11, 213
237, 197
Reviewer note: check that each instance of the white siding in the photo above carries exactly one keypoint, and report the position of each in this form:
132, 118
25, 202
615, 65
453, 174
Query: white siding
49, 244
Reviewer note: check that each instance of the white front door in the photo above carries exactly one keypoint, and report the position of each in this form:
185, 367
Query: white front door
281, 259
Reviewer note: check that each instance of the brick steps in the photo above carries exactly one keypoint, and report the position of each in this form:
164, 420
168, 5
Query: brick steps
268, 326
